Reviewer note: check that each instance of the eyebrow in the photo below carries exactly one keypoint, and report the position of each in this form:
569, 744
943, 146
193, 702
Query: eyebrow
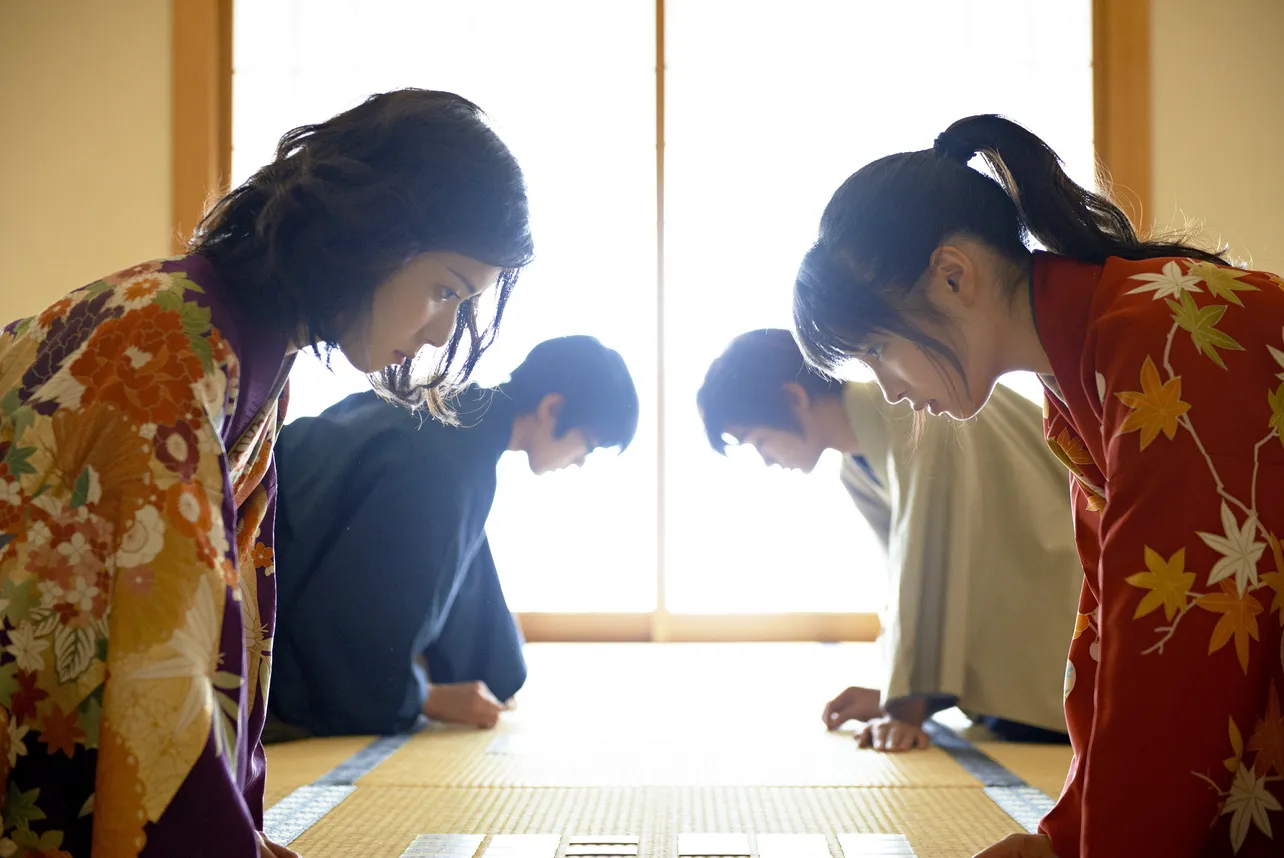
468, 284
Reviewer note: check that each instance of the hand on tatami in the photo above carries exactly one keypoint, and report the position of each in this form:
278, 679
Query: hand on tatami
854, 704
268, 849
888, 734
469, 703
1019, 846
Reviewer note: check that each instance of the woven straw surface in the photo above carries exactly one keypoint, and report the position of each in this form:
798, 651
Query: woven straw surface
654, 741
381, 822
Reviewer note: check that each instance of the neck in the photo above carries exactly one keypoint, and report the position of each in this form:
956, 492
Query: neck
832, 426
1021, 348
519, 441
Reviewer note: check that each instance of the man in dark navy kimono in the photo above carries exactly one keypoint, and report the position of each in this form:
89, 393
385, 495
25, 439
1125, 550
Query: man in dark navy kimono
390, 609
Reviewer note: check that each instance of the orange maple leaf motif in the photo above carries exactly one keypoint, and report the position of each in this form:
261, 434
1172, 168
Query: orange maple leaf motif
1268, 739
1155, 408
62, 731
1233, 762
1073, 448
1238, 620
1165, 581
1071, 452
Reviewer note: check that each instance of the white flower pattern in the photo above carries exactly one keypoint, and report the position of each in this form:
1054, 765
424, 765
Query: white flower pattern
27, 648
1170, 284
1248, 804
1241, 551
17, 741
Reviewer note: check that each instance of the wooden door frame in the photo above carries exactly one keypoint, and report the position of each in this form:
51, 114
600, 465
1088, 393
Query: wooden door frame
202, 157
201, 104
1121, 105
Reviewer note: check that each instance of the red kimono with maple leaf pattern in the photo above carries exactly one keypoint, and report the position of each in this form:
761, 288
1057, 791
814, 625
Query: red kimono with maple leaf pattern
1167, 405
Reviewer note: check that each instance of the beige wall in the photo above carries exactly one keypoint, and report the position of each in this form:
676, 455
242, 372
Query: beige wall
1217, 78
85, 145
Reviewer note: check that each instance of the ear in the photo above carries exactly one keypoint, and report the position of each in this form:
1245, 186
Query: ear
951, 277
550, 407
797, 398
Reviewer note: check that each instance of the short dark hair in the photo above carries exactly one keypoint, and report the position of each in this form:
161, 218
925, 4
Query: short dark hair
745, 385
306, 240
601, 399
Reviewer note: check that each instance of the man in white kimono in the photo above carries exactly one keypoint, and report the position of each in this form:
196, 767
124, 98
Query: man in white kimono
983, 573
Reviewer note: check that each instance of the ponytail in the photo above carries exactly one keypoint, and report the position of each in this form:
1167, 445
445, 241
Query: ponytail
1064, 217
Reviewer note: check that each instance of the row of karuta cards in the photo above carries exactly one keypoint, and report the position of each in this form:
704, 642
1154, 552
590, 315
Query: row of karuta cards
629, 846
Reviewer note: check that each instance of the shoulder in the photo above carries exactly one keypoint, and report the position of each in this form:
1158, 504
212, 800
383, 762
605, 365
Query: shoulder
1142, 305
141, 340
1093, 317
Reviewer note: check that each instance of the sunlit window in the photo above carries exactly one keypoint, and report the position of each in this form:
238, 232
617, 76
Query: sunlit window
768, 107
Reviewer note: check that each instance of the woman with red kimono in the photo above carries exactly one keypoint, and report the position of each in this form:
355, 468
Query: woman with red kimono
137, 485
1163, 367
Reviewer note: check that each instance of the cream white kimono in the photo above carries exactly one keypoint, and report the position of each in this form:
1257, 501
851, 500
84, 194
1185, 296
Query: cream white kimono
984, 577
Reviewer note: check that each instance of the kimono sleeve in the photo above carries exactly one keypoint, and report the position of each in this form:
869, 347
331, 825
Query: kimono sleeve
385, 586
174, 698
917, 553
876, 514
480, 639
1183, 656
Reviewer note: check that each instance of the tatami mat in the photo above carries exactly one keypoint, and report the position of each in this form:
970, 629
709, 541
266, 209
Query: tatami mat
657, 740
295, 764
381, 822
1042, 766
831, 760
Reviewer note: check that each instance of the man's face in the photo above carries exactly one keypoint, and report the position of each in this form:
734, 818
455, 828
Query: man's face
780, 447
549, 453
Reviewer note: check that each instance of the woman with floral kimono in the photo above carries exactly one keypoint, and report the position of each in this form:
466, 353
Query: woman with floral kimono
137, 419
1162, 366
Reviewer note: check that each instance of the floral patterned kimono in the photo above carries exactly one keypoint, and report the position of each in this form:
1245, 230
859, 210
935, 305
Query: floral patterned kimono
137, 419
1168, 407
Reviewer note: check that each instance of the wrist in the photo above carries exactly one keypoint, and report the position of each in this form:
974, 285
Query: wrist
907, 710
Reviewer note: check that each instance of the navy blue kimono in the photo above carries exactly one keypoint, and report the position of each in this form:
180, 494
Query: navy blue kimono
382, 558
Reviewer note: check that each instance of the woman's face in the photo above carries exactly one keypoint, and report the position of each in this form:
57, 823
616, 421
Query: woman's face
905, 371
416, 307
969, 319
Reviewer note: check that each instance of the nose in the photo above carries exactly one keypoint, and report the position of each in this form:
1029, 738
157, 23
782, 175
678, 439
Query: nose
440, 329
893, 390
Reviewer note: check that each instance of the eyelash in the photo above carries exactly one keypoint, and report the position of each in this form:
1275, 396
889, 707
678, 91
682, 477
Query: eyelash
448, 294
874, 353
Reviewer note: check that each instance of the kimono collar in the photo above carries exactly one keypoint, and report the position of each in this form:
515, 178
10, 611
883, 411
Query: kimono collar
1062, 292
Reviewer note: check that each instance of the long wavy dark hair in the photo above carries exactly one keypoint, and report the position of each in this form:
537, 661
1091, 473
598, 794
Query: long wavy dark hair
305, 242
881, 227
